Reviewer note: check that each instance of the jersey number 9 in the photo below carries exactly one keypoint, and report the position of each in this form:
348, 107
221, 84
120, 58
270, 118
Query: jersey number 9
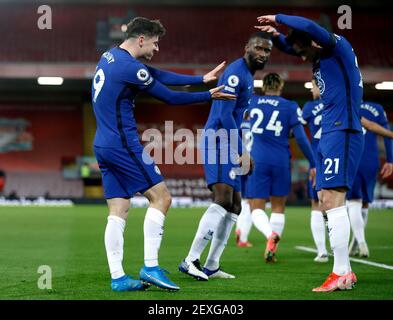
98, 83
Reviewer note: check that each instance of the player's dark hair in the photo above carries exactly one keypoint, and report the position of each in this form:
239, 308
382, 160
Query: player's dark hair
300, 37
261, 35
272, 82
143, 26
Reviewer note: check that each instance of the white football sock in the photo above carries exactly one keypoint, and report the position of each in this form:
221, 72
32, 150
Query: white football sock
261, 222
365, 216
208, 224
219, 241
246, 221
114, 243
277, 221
153, 229
339, 230
318, 231
356, 219
240, 218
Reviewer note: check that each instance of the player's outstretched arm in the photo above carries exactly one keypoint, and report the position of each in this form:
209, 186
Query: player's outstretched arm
218, 95
278, 39
376, 128
304, 144
225, 111
387, 168
320, 35
174, 79
161, 92
281, 44
213, 74
177, 79
388, 146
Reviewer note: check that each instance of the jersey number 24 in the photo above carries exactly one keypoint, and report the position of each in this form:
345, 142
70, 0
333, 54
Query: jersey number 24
273, 124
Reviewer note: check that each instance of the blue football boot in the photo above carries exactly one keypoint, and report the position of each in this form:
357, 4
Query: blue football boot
126, 283
156, 276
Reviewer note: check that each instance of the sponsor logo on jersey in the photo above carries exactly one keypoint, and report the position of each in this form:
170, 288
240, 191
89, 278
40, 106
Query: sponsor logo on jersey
148, 81
157, 170
109, 57
232, 174
320, 82
226, 88
233, 80
142, 74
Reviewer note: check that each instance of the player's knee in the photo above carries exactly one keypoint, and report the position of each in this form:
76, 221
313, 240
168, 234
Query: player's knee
165, 201
236, 208
119, 207
224, 202
327, 204
168, 200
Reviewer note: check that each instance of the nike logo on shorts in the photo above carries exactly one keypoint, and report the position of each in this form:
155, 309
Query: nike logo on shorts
327, 179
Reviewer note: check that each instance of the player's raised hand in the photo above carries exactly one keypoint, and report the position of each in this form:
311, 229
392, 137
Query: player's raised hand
273, 31
387, 170
269, 19
312, 175
212, 75
217, 95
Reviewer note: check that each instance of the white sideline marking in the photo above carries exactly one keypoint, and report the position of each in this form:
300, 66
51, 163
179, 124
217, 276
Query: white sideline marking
370, 263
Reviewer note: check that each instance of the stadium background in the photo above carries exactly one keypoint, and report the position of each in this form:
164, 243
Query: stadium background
47, 131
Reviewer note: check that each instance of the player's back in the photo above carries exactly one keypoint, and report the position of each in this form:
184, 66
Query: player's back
272, 118
340, 83
312, 114
373, 112
118, 79
237, 80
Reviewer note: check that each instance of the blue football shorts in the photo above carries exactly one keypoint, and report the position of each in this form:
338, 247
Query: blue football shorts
220, 167
126, 172
268, 180
338, 157
364, 183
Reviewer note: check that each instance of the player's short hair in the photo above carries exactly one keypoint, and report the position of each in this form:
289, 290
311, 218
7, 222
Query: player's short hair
272, 82
297, 36
261, 35
143, 26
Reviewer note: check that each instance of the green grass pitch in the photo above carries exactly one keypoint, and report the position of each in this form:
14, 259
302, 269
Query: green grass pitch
70, 241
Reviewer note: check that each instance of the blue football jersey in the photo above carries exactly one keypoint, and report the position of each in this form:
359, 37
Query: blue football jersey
340, 83
119, 77
312, 114
237, 80
271, 120
373, 112
246, 132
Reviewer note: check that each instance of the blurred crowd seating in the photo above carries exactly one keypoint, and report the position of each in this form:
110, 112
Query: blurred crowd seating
198, 35
38, 184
